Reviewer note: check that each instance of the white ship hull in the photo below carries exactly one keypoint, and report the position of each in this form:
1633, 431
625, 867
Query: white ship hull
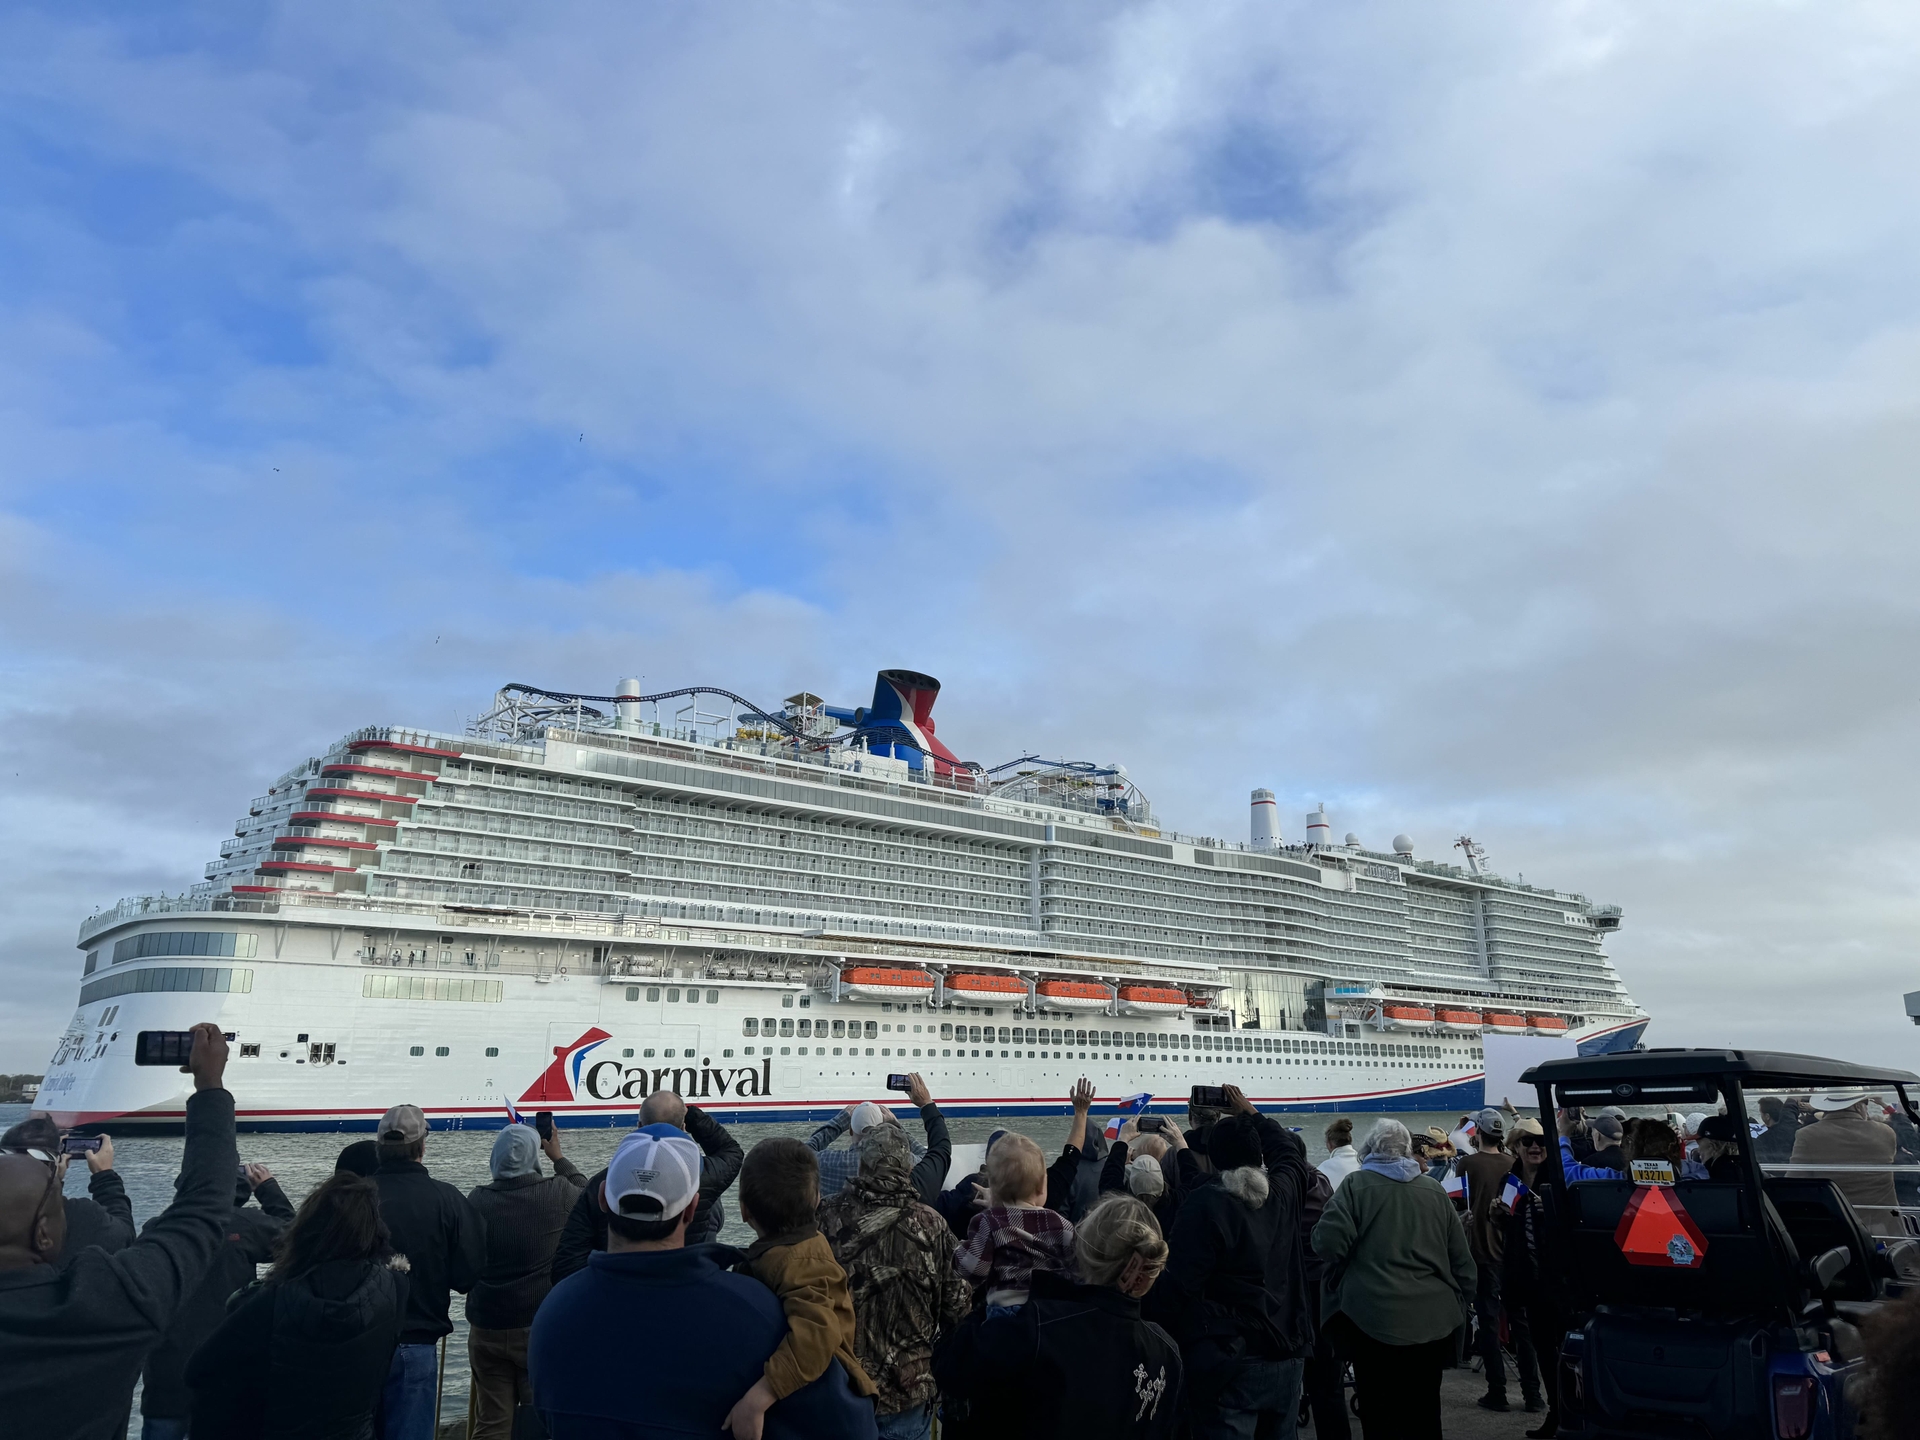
516, 917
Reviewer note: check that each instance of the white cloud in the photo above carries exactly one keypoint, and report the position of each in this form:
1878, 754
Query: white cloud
1479, 418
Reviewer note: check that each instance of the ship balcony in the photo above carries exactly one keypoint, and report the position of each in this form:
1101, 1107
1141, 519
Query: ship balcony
338, 817
398, 748
341, 768
342, 792
302, 867
295, 840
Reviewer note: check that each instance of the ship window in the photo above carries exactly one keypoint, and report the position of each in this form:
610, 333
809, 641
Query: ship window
249, 1052
673, 997
633, 992
806, 1028
786, 1028
836, 1049
946, 1032
492, 1051
973, 1034
648, 1054
872, 1029
726, 1054
653, 992
839, 1029
441, 1050
946, 1054
93, 962
713, 997
786, 1002
749, 1026
805, 1000
1079, 1037
626, 1054
1003, 1036
869, 1050
411, 1050
769, 1024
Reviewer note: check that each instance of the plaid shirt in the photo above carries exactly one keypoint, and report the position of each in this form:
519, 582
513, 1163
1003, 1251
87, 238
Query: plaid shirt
1007, 1243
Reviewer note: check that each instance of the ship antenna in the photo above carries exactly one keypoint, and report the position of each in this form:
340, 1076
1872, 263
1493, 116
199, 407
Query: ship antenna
1472, 851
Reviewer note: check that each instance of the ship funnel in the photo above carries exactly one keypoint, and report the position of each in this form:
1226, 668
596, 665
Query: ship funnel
627, 712
1319, 832
1266, 829
900, 721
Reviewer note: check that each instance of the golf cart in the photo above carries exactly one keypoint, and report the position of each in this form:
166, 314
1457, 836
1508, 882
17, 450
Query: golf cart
1730, 1306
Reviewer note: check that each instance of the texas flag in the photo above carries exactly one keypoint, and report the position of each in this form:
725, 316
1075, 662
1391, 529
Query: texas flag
1132, 1105
514, 1117
1456, 1186
1511, 1192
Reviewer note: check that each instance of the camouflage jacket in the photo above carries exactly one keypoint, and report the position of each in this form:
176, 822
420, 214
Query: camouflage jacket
898, 1255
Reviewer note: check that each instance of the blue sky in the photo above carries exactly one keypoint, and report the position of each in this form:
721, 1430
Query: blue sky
1489, 418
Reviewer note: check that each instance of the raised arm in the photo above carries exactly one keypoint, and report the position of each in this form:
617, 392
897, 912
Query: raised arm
821, 1138
723, 1155
930, 1170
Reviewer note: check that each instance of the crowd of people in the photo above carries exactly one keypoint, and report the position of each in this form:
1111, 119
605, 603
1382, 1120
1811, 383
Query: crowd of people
1197, 1281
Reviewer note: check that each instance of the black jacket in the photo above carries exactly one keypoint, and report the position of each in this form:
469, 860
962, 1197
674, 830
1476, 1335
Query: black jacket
720, 1157
249, 1243
73, 1335
105, 1220
435, 1228
1235, 1283
1074, 1361
523, 1217
304, 1359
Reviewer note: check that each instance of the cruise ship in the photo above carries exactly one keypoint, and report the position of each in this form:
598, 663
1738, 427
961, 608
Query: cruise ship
771, 911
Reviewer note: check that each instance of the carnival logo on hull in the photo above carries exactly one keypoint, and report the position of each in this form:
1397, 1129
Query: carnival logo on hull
570, 1078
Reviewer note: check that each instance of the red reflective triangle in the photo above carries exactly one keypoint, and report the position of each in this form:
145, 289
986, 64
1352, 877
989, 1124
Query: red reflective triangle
1656, 1230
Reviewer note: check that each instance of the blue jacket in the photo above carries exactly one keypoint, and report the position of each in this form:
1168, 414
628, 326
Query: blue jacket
1574, 1170
659, 1344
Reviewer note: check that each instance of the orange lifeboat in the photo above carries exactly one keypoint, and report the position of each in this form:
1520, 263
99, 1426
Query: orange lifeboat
1457, 1020
986, 987
1547, 1024
1073, 995
1152, 1000
879, 982
1503, 1023
1407, 1017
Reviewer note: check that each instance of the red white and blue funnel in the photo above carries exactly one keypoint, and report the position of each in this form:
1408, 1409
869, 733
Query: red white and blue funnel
901, 721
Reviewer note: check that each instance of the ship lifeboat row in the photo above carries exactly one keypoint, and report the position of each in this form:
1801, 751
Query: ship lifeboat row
1419, 1018
879, 982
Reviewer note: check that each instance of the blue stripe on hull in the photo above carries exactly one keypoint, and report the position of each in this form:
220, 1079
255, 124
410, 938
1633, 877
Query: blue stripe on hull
1615, 1042
1468, 1095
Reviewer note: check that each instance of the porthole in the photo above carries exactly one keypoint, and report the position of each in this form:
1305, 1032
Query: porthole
492, 1051
414, 1050
442, 1051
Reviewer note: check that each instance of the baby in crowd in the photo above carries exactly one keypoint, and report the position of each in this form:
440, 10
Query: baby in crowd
1016, 1234
779, 1193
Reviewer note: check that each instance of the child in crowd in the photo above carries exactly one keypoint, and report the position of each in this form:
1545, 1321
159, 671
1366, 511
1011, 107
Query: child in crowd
779, 1193
1016, 1234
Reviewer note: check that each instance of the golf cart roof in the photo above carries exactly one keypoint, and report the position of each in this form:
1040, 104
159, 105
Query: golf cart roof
1761, 1067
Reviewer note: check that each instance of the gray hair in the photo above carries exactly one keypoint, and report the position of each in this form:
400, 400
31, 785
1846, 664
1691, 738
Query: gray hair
1388, 1139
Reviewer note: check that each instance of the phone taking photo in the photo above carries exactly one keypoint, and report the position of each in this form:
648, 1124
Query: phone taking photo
543, 1122
897, 1082
80, 1144
1208, 1097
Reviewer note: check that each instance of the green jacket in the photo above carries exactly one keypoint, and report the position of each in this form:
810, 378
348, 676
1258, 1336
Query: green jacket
1397, 1260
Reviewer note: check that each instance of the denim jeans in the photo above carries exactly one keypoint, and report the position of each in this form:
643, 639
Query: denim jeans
161, 1427
1260, 1398
406, 1405
1486, 1334
906, 1424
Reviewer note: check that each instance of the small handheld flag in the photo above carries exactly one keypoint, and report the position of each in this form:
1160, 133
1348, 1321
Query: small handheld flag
514, 1117
1132, 1105
1456, 1187
1511, 1192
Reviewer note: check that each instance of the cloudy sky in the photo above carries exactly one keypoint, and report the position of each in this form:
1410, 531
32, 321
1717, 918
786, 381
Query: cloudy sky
1496, 418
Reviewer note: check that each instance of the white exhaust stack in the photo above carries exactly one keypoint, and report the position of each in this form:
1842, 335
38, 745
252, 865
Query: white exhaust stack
1266, 829
627, 717
1319, 832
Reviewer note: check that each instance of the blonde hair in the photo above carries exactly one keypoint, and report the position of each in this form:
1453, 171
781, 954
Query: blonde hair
1016, 1170
1118, 1237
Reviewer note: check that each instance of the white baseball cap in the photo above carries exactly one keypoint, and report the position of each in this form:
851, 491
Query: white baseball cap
867, 1113
654, 1174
